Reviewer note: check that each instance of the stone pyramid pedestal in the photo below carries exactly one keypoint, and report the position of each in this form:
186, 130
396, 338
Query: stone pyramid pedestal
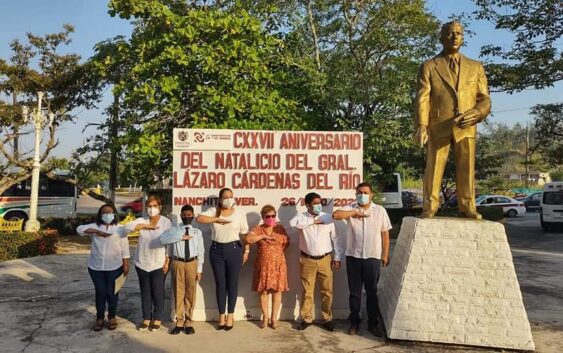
452, 280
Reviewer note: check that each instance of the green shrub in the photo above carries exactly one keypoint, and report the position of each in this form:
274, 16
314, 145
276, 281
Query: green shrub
16, 245
66, 226
396, 215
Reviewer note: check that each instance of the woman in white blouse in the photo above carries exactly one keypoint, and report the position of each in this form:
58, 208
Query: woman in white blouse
226, 255
109, 258
151, 262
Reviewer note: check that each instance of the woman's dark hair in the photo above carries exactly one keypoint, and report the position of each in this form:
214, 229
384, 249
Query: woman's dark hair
99, 216
219, 207
266, 209
153, 198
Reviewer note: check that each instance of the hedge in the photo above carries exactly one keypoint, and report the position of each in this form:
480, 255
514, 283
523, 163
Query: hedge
66, 226
16, 245
396, 215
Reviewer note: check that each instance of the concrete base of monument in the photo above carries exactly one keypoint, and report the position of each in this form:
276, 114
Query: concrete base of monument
452, 280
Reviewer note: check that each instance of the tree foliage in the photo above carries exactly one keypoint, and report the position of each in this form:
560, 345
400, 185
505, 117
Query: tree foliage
36, 65
361, 59
195, 65
549, 132
535, 58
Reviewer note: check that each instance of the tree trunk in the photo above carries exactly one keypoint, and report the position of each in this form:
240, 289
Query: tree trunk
113, 147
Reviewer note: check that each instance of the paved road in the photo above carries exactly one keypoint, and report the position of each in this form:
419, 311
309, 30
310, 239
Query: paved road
525, 233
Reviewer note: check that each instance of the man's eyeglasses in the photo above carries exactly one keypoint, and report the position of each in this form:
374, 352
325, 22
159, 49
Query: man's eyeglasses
270, 216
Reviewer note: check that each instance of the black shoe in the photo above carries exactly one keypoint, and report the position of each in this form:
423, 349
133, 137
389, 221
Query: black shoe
228, 328
376, 330
189, 330
328, 325
143, 327
154, 327
176, 330
353, 329
303, 325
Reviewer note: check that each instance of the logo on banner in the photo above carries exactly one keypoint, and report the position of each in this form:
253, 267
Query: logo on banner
199, 137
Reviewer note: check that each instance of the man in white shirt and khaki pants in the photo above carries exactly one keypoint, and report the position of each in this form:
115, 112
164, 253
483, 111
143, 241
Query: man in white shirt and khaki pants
317, 235
367, 249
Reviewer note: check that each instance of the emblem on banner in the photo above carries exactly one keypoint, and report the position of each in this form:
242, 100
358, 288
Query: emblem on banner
183, 136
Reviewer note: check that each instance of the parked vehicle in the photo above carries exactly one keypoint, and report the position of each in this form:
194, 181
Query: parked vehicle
510, 206
532, 202
135, 206
551, 205
409, 199
392, 197
57, 198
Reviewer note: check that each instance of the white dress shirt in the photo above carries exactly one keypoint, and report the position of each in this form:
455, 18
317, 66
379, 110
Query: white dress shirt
107, 253
317, 239
364, 234
150, 254
226, 233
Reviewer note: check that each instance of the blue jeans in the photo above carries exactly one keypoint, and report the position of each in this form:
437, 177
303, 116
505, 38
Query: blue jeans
152, 293
226, 261
363, 273
104, 284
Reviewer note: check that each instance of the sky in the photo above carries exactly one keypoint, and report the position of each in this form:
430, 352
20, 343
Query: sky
93, 24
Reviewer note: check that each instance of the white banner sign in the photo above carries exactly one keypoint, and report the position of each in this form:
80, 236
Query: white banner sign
266, 167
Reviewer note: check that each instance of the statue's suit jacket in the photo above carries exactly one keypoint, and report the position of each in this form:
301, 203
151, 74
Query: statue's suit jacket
439, 100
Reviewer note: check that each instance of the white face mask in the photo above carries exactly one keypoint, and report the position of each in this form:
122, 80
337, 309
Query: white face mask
153, 211
227, 203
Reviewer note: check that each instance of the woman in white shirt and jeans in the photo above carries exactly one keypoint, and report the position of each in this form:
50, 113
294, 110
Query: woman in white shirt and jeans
151, 262
109, 258
226, 255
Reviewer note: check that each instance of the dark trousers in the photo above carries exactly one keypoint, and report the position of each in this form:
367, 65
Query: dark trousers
226, 261
104, 285
363, 273
152, 293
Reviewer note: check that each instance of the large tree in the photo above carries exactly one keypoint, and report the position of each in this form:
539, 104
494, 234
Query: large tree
361, 58
195, 65
549, 133
535, 58
37, 65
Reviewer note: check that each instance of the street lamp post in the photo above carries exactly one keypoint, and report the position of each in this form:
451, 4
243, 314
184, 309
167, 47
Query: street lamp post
38, 118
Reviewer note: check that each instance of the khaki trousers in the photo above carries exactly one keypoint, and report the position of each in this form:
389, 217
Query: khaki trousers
184, 288
312, 271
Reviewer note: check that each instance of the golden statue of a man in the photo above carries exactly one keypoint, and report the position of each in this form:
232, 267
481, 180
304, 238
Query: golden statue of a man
452, 97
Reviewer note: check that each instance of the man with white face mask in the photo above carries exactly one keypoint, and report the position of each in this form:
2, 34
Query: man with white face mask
367, 248
317, 236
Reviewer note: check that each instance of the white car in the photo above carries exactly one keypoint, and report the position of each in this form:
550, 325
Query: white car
510, 206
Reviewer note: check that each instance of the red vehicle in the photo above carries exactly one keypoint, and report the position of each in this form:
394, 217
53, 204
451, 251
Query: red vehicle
135, 206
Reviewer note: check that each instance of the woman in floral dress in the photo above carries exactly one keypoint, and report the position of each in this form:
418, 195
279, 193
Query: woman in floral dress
270, 269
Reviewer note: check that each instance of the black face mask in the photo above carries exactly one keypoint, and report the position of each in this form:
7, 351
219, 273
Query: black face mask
187, 220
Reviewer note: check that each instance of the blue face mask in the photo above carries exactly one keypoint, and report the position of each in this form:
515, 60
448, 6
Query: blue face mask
362, 199
318, 208
107, 218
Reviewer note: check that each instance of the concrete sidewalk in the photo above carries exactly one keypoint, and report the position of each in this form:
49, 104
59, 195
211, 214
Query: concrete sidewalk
47, 306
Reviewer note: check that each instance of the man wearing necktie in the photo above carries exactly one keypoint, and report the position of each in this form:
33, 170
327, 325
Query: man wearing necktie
452, 97
186, 251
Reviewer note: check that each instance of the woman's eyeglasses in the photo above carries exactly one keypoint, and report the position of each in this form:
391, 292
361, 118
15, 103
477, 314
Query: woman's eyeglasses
270, 216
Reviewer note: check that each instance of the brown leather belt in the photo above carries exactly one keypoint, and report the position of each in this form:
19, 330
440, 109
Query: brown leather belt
314, 257
176, 258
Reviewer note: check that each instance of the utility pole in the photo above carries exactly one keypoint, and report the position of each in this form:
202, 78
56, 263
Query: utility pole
16, 135
527, 183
